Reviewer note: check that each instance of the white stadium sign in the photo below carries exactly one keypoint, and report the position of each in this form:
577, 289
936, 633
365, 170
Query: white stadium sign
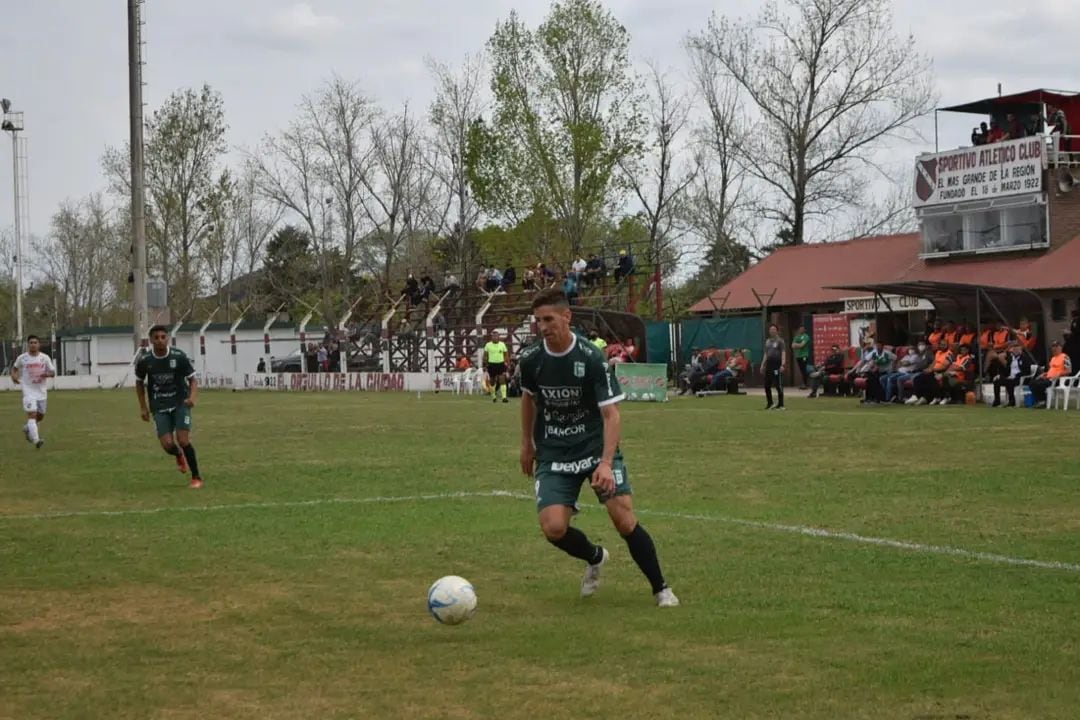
978, 173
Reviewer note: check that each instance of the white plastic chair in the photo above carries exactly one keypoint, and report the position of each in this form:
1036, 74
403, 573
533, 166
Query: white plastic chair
467, 381
1063, 388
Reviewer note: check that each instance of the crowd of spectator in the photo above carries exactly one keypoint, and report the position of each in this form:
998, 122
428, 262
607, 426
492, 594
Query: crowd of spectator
1013, 128
943, 366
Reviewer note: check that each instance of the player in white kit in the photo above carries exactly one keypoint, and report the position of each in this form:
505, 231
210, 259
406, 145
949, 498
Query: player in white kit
32, 369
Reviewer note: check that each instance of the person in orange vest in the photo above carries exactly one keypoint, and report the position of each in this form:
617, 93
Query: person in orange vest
464, 363
926, 387
1025, 335
950, 335
935, 334
1060, 366
965, 336
956, 378
994, 343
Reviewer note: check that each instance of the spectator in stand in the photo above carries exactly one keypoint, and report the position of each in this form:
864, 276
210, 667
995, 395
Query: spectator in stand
322, 358
594, 271
1017, 367
261, 367
996, 134
965, 335
1060, 366
570, 287
482, 279
1072, 337
800, 348
427, 285
528, 283
994, 342
833, 365
927, 384
625, 266
862, 366
909, 366
935, 334
1026, 336
1059, 124
631, 349
544, 275
509, 276
494, 279
882, 362
579, 265
980, 135
451, 283
412, 289
733, 370
1014, 129
957, 377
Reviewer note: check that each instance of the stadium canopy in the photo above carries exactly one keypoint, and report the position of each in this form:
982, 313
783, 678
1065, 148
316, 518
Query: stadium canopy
1029, 100
966, 300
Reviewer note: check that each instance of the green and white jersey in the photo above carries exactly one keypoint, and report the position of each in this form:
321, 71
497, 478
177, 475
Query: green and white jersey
166, 378
569, 389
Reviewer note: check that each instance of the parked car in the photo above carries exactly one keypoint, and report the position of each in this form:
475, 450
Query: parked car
357, 363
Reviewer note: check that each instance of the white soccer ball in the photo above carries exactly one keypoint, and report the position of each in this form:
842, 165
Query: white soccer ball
451, 600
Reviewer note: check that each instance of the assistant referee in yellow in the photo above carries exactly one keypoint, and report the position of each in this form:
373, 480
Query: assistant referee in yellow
495, 364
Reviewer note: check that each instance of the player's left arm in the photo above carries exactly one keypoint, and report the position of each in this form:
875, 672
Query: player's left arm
192, 380
608, 394
16, 374
50, 368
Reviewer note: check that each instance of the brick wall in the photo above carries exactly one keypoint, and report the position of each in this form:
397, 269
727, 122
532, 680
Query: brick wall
1064, 212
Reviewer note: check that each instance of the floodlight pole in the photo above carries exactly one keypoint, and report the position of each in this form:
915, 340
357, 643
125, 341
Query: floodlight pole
138, 202
13, 123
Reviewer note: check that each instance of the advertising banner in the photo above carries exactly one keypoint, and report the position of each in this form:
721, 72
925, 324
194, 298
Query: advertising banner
642, 382
980, 173
829, 330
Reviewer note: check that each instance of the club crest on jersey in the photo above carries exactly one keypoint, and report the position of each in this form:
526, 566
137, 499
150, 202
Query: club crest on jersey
579, 369
172, 363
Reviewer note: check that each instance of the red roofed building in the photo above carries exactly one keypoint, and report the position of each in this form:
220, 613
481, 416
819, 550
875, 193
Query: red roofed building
999, 238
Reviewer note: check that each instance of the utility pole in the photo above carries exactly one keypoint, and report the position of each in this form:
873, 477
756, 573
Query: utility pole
138, 201
13, 123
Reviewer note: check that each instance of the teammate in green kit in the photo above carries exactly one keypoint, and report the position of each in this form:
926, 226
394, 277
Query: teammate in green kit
495, 363
166, 375
569, 433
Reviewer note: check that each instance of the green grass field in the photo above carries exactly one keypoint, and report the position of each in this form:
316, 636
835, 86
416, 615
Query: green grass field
293, 584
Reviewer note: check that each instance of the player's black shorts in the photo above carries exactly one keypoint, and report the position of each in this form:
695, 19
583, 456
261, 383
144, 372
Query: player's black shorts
496, 369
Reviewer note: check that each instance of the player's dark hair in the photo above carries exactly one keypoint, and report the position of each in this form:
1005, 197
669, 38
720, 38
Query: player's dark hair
32, 337
158, 328
550, 296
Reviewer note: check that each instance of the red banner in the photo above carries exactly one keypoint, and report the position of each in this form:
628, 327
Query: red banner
829, 330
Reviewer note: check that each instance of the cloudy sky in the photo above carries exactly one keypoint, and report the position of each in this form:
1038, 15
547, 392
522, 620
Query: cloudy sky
64, 62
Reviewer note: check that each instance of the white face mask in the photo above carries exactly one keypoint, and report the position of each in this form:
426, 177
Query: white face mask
922, 348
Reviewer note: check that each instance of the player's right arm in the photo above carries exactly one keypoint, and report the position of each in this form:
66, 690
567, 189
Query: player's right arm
528, 421
529, 388
140, 391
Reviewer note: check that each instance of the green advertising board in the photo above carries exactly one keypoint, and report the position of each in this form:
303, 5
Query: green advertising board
643, 382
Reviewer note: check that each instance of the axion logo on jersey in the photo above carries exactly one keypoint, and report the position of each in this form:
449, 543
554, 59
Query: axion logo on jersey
560, 396
562, 432
575, 466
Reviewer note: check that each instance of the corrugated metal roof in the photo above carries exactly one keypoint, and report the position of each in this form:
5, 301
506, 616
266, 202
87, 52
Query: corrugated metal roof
803, 275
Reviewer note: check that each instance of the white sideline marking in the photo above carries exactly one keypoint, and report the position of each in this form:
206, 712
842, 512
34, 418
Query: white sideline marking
803, 530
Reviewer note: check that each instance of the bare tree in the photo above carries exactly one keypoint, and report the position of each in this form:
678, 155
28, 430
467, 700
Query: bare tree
398, 190
716, 203
81, 257
659, 179
830, 82
315, 170
185, 139
458, 103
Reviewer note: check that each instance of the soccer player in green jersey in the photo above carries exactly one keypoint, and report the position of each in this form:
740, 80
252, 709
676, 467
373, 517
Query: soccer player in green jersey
166, 376
495, 363
569, 433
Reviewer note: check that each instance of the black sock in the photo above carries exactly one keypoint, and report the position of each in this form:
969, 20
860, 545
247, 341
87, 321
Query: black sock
576, 544
173, 450
643, 551
193, 464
